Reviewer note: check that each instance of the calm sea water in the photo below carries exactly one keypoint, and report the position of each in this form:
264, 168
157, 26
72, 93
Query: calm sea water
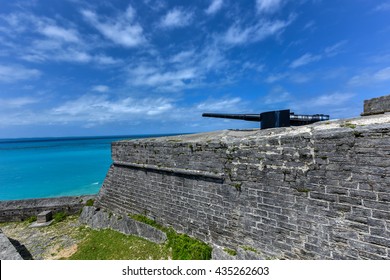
51, 167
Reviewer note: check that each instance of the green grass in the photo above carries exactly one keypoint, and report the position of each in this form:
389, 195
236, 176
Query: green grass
186, 248
59, 217
90, 202
230, 251
31, 219
108, 244
182, 246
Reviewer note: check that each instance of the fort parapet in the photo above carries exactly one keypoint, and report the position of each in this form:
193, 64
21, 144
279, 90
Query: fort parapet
320, 191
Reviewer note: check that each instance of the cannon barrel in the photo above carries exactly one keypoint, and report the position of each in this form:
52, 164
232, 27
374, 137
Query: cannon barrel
245, 117
281, 118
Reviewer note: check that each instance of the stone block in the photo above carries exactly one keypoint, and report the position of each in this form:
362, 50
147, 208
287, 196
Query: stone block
44, 216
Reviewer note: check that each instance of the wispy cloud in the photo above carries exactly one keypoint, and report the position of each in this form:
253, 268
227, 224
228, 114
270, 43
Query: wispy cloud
308, 58
184, 70
269, 6
368, 78
214, 7
44, 39
89, 110
17, 102
15, 73
226, 104
334, 49
334, 99
122, 30
161, 79
57, 32
101, 88
239, 35
305, 59
176, 17
382, 75
95, 109
335, 104
383, 7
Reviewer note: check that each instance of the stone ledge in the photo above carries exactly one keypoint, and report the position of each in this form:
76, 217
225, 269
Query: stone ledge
188, 172
101, 219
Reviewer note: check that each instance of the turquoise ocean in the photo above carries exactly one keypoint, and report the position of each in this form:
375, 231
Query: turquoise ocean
52, 167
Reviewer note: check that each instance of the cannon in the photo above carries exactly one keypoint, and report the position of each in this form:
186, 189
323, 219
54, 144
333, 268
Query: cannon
281, 118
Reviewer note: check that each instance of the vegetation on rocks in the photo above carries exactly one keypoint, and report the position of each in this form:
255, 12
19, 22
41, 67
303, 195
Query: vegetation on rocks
68, 239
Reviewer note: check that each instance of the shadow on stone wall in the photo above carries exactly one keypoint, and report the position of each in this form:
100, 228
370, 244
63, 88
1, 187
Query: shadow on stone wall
21, 249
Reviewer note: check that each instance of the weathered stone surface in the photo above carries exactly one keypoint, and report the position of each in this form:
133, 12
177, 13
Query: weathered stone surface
101, 219
311, 192
220, 253
7, 250
378, 105
44, 216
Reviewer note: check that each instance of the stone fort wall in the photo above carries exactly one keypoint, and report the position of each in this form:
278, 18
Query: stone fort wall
315, 192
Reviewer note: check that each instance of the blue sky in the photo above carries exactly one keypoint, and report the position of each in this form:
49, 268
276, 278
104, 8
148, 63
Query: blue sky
73, 67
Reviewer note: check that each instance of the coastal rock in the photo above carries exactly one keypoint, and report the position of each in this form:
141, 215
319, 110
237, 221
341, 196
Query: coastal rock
100, 219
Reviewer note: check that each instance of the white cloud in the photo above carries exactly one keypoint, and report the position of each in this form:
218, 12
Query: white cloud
238, 35
382, 75
57, 32
305, 59
123, 30
106, 60
183, 56
176, 18
214, 7
185, 69
269, 6
101, 88
15, 73
161, 79
95, 109
89, 110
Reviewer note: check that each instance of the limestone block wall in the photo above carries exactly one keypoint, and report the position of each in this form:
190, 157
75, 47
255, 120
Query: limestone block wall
314, 192
377, 105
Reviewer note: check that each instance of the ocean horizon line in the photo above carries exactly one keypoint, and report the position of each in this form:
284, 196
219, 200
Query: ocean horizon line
80, 137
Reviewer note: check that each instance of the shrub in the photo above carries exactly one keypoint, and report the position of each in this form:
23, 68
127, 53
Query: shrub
90, 202
59, 217
31, 219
